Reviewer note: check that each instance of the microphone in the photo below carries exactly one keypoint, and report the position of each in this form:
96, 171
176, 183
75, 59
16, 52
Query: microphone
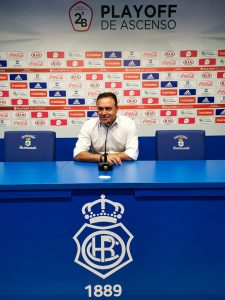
104, 165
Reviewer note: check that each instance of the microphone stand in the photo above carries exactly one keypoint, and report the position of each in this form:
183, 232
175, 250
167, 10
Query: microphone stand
105, 166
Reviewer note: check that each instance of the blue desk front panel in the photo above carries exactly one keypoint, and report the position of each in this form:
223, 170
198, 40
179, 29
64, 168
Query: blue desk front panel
178, 245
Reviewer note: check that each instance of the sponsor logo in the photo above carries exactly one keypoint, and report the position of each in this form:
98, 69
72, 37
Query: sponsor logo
188, 75
77, 114
169, 62
131, 93
55, 54
113, 63
186, 120
81, 16
150, 100
20, 123
205, 112
187, 92
168, 84
3, 77
57, 101
75, 63
4, 94
171, 113
38, 93
3, 63
220, 112
220, 119
38, 85
39, 114
4, 115
39, 122
131, 76
132, 63
19, 101
94, 76
187, 99
150, 121
148, 54
36, 54
113, 54
18, 85
20, 114
150, 76
188, 53
207, 61
93, 54
76, 101
16, 54
150, 84
58, 122
168, 92
18, 77
205, 99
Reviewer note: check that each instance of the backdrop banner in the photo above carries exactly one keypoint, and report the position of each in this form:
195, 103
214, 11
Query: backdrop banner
164, 61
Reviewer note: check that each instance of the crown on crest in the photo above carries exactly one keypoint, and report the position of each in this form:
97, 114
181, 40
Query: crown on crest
102, 210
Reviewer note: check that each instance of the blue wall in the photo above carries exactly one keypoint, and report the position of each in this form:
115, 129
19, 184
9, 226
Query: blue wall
215, 148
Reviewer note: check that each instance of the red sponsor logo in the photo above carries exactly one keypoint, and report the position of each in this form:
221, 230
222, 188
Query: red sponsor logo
169, 63
206, 83
20, 123
56, 77
188, 62
3, 77
75, 85
113, 63
220, 119
168, 121
77, 114
188, 53
131, 93
169, 53
39, 114
18, 85
188, 75
132, 101
150, 84
38, 93
205, 112
168, 92
75, 63
58, 122
149, 121
4, 94
40, 122
221, 92
36, 54
186, 120
16, 54
206, 75
55, 54
93, 54
150, 100
221, 52
36, 63
207, 61
94, 76
131, 114
113, 85
19, 101
150, 54
220, 74
168, 113
20, 114
187, 99
57, 101
4, 115
132, 76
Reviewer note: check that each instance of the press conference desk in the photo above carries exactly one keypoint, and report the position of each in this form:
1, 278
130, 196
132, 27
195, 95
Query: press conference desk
157, 232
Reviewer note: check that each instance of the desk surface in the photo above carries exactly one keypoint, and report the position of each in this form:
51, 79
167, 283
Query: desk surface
139, 174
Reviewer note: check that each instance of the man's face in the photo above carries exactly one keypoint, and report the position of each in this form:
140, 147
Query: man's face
107, 110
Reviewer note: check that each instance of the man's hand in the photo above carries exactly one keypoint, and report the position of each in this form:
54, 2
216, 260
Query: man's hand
114, 159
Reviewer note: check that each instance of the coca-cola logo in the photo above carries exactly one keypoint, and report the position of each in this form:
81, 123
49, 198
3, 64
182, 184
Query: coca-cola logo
206, 83
149, 121
56, 77
221, 92
187, 76
171, 62
150, 54
75, 85
131, 114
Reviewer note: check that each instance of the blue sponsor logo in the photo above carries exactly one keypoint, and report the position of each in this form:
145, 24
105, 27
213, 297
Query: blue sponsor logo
92, 114
220, 112
18, 77
57, 93
3, 63
113, 54
132, 63
38, 85
205, 99
187, 92
150, 76
169, 84
76, 101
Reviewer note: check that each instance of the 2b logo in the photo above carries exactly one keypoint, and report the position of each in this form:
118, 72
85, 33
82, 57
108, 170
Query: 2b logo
81, 16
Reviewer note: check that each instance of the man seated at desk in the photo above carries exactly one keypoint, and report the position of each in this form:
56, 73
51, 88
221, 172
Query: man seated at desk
122, 138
